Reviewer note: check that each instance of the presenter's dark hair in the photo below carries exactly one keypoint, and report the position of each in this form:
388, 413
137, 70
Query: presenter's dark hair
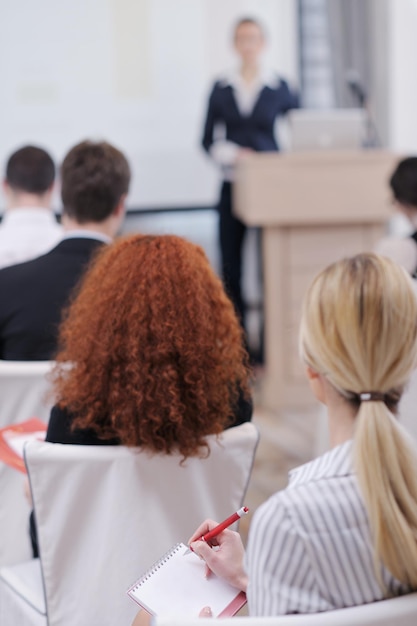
95, 175
403, 182
30, 169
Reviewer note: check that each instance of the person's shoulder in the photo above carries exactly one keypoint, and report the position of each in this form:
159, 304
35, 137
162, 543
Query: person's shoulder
21, 281
56, 230
282, 88
272, 79
281, 82
304, 500
13, 272
272, 512
25, 268
335, 500
220, 85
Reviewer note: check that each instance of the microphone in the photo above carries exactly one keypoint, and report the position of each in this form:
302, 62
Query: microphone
354, 83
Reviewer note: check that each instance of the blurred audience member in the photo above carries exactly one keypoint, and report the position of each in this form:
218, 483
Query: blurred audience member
29, 227
94, 182
403, 183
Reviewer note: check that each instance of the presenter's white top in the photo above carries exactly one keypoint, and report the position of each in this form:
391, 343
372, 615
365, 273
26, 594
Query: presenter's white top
310, 548
26, 233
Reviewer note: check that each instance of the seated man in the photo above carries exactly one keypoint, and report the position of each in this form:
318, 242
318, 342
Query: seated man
29, 227
94, 183
403, 183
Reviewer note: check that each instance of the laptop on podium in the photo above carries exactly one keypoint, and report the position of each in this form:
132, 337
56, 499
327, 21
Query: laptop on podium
324, 129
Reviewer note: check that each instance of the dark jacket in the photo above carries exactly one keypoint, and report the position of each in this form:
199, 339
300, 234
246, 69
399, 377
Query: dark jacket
33, 295
255, 131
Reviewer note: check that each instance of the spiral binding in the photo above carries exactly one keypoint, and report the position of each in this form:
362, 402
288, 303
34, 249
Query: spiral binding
156, 566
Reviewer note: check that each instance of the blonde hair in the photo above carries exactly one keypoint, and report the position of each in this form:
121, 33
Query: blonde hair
359, 329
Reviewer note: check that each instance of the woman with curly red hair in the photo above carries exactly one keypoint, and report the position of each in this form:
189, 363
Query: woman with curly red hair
156, 352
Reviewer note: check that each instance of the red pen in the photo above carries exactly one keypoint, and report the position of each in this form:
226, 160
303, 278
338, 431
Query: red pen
218, 529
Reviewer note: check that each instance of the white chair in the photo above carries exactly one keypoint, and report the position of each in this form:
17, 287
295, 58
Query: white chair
23, 391
397, 611
105, 514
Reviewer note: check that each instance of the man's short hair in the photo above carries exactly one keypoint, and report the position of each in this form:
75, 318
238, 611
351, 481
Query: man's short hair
94, 177
30, 169
403, 182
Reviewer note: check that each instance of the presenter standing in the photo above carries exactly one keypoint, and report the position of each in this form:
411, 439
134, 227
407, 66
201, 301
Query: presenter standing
243, 107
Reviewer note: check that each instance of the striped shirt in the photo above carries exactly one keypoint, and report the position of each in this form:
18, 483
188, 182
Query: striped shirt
310, 547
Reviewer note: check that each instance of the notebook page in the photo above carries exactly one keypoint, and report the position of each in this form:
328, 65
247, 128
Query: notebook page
178, 586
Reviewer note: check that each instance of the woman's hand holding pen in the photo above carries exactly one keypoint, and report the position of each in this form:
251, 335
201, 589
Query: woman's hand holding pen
227, 560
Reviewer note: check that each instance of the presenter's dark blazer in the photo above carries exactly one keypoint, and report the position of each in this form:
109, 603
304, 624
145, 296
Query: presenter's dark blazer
33, 295
256, 130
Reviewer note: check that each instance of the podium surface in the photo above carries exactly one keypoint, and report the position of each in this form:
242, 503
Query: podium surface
314, 208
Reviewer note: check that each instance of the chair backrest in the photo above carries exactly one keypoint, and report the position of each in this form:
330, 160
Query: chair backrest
105, 514
23, 387
23, 391
399, 611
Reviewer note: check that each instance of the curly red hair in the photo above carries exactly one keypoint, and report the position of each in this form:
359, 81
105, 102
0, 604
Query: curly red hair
156, 348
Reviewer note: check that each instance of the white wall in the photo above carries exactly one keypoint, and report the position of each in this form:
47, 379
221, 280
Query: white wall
135, 72
402, 76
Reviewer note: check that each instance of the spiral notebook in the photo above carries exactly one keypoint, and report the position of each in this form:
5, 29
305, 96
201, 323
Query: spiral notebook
176, 585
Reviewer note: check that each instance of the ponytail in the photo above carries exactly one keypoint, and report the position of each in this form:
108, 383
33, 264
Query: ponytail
387, 474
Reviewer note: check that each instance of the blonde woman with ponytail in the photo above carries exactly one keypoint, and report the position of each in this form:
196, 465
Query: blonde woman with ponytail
344, 531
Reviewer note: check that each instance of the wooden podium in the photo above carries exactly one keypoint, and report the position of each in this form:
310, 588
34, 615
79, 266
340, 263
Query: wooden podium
314, 208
